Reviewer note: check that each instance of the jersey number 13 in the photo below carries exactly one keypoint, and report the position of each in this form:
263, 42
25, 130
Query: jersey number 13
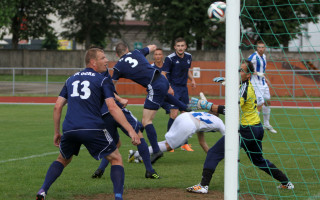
85, 89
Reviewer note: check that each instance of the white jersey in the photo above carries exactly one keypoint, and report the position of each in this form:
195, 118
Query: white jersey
260, 64
189, 123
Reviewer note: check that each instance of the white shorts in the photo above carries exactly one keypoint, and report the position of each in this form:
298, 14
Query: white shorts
183, 127
262, 94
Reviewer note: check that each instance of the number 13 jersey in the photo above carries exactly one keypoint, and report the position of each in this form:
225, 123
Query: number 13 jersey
85, 92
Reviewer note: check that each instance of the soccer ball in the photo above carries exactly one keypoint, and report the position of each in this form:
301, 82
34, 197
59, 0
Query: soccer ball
216, 11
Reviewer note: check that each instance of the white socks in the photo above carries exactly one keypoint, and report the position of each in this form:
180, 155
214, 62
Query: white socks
266, 115
162, 146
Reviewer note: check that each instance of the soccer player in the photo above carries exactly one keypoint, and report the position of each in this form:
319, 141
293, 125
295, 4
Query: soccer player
183, 127
177, 66
260, 84
112, 126
251, 135
158, 64
134, 66
85, 92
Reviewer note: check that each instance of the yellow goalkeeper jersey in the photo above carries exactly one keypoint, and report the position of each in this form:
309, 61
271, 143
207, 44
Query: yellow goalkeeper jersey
248, 105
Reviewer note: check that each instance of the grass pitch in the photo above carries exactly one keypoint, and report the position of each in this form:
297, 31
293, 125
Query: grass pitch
27, 151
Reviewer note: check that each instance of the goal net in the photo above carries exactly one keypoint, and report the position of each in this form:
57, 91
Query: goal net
290, 31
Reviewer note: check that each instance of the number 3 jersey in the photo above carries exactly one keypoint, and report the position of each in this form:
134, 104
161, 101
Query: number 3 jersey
135, 66
85, 92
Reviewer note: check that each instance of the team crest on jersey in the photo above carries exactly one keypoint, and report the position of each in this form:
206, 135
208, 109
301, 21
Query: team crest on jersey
188, 62
177, 61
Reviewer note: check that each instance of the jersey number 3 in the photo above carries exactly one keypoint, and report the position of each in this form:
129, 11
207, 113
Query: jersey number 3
85, 89
131, 61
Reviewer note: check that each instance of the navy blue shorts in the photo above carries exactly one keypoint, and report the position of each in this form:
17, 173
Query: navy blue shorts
181, 93
112, 125
98, 142
157, 92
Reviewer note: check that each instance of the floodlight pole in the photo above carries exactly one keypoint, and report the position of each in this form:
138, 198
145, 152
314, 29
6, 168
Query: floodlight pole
232, 98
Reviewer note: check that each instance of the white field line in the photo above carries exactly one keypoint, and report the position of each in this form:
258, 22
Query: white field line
29, 157
33, 156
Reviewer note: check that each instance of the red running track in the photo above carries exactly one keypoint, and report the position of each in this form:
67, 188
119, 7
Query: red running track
286, 103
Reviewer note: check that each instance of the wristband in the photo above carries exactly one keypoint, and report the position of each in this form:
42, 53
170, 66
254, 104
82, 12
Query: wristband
221, 109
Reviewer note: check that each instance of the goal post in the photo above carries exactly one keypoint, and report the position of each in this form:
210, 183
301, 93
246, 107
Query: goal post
232, 106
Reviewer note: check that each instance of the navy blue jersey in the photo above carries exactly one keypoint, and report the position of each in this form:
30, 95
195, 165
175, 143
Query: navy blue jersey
177, 68
104, 109
156, 67
135, 66
159, 68
85, 92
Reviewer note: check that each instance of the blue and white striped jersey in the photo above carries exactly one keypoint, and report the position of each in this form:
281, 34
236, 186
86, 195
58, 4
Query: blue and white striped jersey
260, 64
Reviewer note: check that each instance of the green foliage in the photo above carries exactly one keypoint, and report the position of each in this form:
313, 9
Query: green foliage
51, 41
26, 19
6, 13
277, 22
90, 21
171, 19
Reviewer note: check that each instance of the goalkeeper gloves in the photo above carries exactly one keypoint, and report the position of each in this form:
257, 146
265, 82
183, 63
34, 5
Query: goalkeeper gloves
221, 80
200, 104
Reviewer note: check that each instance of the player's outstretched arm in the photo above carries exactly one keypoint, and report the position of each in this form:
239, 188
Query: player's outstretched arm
118, 115
202, 141
205, 105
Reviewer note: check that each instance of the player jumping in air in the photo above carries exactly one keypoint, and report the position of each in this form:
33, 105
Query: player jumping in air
134, 66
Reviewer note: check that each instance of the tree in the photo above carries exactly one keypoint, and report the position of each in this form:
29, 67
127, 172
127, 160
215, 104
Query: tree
90, 21
51, 41
276, 22
29, 19
7, 11
169, 19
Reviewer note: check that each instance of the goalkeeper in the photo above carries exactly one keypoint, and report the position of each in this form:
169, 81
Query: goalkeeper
251, 135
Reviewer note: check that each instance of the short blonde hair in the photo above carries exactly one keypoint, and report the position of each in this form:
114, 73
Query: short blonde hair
91, 54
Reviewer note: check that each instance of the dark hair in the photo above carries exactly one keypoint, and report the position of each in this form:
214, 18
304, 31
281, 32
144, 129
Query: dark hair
179, 39
250, 68
91, 54
260, 42
158, 49
121, 48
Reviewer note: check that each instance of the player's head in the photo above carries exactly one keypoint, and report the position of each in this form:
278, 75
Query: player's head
246, 69
121, 49
96, 59
158, 55
261, 47
180, 46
